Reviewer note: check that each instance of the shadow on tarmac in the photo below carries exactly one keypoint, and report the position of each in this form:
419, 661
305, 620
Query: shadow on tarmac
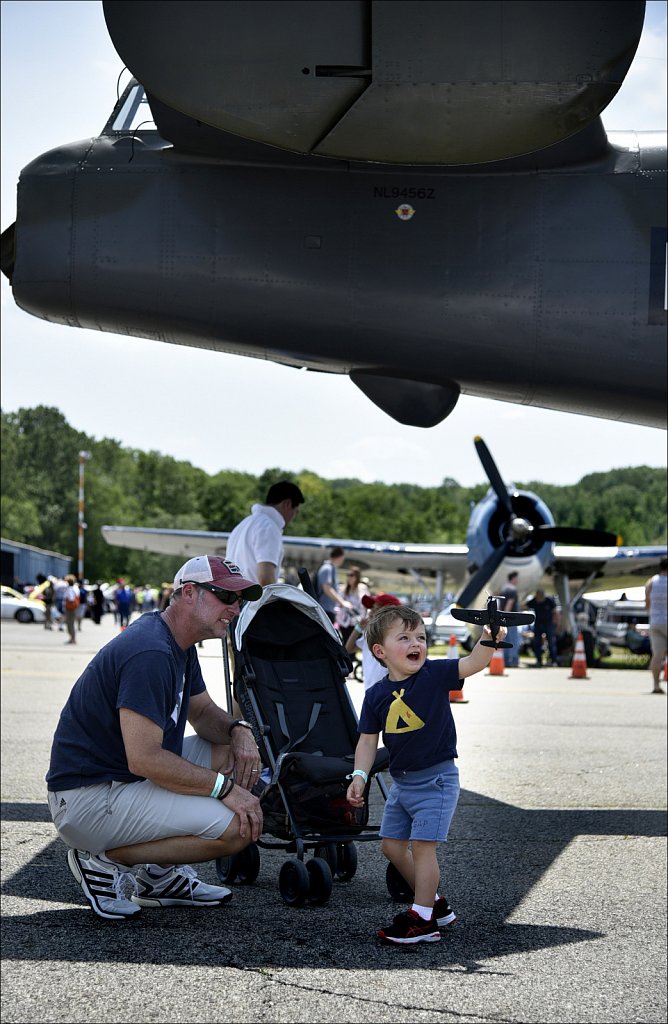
495, 855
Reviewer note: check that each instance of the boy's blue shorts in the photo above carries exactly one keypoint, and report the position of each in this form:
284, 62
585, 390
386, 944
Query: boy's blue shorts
421, 804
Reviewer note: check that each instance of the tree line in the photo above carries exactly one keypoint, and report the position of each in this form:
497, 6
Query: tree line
130, 487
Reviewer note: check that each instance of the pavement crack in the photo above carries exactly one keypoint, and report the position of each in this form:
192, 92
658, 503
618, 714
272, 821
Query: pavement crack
436, 1013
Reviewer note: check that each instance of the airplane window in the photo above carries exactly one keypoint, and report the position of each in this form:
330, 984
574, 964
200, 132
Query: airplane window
135, 112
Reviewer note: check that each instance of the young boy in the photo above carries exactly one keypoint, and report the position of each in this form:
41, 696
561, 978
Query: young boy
411, 707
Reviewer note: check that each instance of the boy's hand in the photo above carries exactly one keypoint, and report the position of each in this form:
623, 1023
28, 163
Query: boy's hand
355, 792
501, 633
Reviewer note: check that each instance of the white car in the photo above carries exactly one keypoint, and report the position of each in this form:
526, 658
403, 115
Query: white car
447, 626
614, 621
24, 609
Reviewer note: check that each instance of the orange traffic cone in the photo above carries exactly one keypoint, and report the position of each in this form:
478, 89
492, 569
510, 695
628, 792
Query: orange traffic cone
579, 662
456, 696
497, 666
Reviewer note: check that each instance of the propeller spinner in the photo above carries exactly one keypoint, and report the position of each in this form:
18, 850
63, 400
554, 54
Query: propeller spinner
517, 525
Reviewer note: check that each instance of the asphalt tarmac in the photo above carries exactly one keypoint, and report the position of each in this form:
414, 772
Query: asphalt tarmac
556, 867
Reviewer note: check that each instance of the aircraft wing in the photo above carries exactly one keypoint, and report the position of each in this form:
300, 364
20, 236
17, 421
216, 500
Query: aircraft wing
413, 83
425, 559
580, 561
577, 562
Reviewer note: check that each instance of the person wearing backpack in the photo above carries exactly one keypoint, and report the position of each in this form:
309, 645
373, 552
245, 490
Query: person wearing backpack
47, 596
70, 606
83, 602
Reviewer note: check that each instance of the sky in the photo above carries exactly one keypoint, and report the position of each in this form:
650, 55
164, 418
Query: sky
59, 83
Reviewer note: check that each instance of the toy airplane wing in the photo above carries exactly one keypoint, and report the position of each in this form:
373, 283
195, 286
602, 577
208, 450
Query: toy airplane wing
514, 618
477, 616
481, 617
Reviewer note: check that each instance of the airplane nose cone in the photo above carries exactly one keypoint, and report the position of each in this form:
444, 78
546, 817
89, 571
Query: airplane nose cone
521, 528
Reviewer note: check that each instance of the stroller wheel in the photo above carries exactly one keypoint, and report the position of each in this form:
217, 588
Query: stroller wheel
329, 853
248, 864
226, 867
320, 881
346, 862
294, 882
397, 886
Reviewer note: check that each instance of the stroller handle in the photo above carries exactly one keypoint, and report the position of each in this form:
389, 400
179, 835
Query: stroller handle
305, 581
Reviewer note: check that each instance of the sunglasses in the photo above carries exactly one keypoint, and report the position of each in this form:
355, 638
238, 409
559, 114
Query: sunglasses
226, 596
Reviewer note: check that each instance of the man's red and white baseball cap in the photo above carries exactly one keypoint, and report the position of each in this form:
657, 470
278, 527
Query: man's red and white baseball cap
217, 572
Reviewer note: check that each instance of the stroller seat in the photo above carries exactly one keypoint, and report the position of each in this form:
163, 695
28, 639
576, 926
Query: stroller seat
290, 672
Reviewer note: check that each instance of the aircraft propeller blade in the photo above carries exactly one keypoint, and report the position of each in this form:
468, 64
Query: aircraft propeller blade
578, 535
493, 475
481, 575
520, 532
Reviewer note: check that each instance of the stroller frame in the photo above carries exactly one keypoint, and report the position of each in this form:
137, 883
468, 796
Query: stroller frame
290, 672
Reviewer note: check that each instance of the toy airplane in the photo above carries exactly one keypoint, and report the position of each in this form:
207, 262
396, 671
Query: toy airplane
493, 617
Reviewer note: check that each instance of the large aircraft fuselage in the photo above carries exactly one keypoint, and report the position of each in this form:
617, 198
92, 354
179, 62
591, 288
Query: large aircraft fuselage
544, 287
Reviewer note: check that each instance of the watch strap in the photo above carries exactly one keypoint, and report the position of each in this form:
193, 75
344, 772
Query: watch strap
242, 723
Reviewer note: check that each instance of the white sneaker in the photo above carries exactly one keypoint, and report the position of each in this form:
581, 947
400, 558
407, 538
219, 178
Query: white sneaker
106, 886
179, 887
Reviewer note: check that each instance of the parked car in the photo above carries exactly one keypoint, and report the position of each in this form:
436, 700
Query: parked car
445, 626
621, 622
16, 606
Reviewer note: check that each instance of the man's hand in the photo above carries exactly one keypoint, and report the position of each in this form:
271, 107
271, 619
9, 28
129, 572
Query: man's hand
248, 808
247, 763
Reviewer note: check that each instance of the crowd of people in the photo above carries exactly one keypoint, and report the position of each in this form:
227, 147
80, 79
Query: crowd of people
69, 601
344, 594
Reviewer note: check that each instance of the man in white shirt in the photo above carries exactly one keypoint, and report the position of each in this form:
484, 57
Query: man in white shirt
256, 543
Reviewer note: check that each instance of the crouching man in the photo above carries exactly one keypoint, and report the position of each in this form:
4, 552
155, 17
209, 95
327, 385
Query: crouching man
133, 798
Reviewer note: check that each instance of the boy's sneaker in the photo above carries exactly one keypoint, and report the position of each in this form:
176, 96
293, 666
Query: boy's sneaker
443, 913
409, 928
179, 887
107, 887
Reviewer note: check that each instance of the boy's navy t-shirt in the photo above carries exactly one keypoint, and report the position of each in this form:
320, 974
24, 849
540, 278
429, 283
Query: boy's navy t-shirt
414, 716
143, 669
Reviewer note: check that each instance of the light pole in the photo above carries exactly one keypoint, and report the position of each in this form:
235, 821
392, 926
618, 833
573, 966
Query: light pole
83, 458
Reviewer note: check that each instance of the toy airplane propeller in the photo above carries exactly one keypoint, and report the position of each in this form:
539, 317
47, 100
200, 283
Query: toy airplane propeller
493, 617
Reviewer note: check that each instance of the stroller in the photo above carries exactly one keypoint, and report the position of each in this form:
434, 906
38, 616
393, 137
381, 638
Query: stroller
290, 672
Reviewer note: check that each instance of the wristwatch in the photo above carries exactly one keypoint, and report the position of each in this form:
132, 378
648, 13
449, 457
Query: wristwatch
239, 721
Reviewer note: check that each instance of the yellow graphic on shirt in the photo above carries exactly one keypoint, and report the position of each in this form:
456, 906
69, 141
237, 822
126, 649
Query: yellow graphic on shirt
400, 718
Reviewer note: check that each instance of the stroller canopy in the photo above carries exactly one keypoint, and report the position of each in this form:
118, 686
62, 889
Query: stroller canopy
299, 599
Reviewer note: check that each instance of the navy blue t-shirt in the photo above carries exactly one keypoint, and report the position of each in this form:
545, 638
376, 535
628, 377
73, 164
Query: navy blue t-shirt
142, 669
414, 716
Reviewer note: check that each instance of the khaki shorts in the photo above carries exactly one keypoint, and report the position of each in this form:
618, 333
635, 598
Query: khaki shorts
112, 814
